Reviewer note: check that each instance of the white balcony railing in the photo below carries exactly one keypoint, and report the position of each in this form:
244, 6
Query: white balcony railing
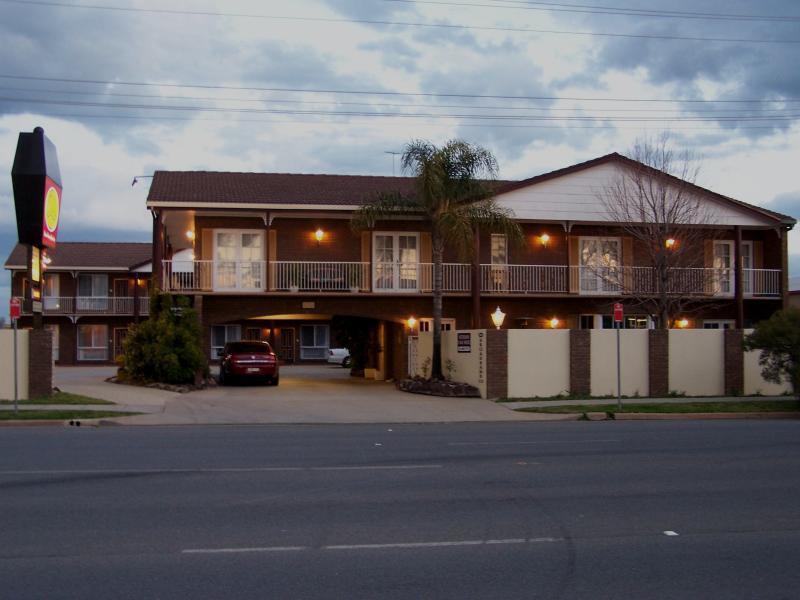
144, 305
319, 276
390, 277
93, 305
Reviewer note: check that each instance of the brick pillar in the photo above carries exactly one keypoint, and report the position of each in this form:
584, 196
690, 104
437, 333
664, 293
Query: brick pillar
580, 350
734, 362
40, 363
496, 363
658, 359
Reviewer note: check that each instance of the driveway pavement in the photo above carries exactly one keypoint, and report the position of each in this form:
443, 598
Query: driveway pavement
307, 394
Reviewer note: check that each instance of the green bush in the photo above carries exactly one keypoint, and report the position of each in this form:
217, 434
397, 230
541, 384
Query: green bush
778, 338
167, 347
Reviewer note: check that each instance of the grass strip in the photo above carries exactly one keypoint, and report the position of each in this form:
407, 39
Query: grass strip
59, 398
60, 415
682, 407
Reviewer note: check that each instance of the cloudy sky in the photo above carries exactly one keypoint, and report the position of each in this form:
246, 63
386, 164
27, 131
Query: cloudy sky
331, 86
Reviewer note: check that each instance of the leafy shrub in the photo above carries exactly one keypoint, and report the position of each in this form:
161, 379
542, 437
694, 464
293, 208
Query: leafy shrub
778, 338
167, 347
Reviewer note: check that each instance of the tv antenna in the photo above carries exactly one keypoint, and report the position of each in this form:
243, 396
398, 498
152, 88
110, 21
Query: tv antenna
394, 154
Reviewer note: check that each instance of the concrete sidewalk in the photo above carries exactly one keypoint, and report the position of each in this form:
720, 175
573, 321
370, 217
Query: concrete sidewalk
605, 401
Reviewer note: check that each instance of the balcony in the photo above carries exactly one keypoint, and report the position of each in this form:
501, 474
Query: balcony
410, 278
93, 305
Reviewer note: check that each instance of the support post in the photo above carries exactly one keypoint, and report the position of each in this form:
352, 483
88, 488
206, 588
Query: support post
476, 280
738, 280
158, 249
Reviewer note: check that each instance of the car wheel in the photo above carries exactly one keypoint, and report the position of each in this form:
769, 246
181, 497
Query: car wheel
221, 377
346, 362
274, 380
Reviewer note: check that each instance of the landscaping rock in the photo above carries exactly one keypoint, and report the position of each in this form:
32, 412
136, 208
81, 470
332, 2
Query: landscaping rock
438, 387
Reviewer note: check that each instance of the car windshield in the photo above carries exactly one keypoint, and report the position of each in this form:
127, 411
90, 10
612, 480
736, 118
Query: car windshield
249, 348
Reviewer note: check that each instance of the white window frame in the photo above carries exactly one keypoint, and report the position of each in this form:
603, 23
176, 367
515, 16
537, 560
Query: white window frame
238, 261
97, 352
51, 291
317, 351
611, 287
395, 268
233, 333
720, 323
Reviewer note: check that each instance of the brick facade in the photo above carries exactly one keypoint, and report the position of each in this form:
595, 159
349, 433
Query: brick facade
40, 363
734, 362
496, 363
580, 374
658, 361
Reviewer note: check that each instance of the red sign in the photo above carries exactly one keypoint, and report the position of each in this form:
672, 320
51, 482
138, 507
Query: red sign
14, 308
617, 312
51, 212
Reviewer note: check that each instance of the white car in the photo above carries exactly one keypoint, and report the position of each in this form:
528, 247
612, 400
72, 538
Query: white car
339, 356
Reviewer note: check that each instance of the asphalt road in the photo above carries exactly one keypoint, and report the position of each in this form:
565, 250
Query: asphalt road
519, 510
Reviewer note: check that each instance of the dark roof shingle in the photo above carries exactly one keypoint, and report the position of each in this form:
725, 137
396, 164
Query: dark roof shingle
94, 255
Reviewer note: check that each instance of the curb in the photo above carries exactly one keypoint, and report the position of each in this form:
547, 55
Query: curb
703, 416
35, 423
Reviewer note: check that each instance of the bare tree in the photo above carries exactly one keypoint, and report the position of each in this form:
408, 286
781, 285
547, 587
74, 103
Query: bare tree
657, 205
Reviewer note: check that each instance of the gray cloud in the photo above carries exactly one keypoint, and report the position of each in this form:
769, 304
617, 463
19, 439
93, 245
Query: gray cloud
788, 204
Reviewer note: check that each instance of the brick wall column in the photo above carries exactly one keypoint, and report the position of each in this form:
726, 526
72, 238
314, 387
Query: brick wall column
580, 380
496, 363
40, 363
658, 361
734, 362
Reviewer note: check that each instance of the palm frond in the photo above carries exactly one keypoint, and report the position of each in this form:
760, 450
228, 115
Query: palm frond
384, 206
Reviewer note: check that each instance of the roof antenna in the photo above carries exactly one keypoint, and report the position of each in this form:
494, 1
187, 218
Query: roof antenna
394, 154
138, 177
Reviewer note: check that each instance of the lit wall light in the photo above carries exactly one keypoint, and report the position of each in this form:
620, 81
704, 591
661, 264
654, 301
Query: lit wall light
319, 234
411, 322
682, 323
670, 243
554, 323
190, 235
544, 239
498, 316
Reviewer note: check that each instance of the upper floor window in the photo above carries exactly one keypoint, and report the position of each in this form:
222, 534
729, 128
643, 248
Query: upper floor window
499, 249
239, 259
599, 264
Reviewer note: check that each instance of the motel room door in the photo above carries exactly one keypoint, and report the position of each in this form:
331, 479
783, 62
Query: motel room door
286, 349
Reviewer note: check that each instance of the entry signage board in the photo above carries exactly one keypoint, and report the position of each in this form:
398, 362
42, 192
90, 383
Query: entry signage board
36, 180
465, 342
14, 308
617, 312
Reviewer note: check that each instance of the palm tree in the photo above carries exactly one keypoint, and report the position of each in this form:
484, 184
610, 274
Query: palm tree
453, 197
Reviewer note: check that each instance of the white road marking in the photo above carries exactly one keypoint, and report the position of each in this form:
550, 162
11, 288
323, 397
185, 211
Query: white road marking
218, 470
574, 442
670, 533
388, 546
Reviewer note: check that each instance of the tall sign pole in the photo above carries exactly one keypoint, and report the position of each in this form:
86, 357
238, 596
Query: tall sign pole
36, 179
618, 324
14, 310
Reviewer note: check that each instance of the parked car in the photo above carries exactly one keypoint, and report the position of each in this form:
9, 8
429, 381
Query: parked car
248, 360
339, 356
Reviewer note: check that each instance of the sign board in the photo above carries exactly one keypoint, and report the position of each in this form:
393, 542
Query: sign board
617, 312
36, 179
465, 342
14, 308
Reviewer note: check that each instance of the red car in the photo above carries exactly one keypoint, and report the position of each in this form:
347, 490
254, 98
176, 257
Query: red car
240, 360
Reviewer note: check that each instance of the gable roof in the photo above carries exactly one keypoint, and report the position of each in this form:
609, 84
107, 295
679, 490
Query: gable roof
200, 187
616, 157
89, 255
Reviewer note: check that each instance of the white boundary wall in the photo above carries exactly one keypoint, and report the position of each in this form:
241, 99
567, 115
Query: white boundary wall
7, 363
697, 361
538, 362
634, 352
468, 367
754, 383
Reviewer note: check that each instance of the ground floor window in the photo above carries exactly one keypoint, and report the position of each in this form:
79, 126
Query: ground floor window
719, 324
92, 342
314, 342
427, 324
54, 330
221, 335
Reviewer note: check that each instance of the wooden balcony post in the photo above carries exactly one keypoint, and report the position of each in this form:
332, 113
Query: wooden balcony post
158, 249
135, 298
738, 280
476, 280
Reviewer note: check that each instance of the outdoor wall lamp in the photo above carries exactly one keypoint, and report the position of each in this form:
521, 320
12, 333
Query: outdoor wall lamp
411, 322
670, 243
554, 323
544, 239
498, 316
682, 323
318, 235
190, 235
